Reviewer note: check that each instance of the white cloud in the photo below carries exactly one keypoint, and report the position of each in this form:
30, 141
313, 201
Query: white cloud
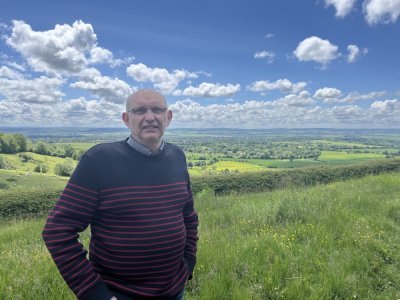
16, 66
355, 96
162, 79
270, 56
106, 88
9, 73
316, 49
386, 107
328, 95
343, 7
38, 90
63, 50
269, 35
206, 89
354, 52
284, 85
381, 11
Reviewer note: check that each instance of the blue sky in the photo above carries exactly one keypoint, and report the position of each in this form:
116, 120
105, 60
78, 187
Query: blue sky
242, 64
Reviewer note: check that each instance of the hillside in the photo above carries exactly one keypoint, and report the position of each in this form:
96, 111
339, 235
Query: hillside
333, 241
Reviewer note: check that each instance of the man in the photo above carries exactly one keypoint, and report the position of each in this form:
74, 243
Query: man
136, 196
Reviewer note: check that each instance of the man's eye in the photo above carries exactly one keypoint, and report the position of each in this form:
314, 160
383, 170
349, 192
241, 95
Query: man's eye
141, 110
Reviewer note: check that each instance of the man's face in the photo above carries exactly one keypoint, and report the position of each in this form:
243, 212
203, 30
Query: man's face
147, 127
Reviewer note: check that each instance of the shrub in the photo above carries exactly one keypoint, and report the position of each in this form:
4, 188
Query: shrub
3, 163
41, 168
64, 169
20, 202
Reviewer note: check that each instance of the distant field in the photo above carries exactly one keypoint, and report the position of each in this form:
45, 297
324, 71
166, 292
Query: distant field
251, 165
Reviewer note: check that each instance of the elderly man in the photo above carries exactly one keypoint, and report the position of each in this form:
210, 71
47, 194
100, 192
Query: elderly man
135, 194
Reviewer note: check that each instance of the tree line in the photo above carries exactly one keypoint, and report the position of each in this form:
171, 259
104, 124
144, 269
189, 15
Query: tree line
12, 143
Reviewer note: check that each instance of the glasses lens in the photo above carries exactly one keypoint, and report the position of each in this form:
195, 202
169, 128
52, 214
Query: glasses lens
142, 110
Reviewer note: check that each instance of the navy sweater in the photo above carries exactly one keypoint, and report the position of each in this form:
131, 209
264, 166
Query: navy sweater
142, 220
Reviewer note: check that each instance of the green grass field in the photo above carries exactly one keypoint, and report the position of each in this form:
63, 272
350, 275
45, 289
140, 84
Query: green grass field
328, 158
16, 162
336, 241
12, 179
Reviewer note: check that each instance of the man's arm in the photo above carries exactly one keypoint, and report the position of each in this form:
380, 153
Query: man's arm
71, 215
191, 224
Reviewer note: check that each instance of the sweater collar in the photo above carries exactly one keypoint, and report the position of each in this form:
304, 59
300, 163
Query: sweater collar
142, 148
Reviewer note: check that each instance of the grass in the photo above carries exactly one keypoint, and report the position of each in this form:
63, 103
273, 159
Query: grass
337, 241
15, 179
19, 165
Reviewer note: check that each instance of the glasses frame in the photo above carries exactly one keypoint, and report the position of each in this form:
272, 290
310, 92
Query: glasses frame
144, 109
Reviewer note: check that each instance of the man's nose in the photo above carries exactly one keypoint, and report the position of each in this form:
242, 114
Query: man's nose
149, 115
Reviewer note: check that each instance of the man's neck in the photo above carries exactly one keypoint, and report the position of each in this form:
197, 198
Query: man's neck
135, 144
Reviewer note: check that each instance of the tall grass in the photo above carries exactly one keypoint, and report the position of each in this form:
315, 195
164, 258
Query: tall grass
335, 241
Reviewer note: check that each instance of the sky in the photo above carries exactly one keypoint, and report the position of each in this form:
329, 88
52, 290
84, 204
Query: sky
220, 64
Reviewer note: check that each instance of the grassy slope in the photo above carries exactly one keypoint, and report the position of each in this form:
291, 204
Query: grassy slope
339, 241
18, 165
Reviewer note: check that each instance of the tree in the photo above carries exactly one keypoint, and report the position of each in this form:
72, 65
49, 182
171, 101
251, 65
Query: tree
41, 148
21, 142
66, 168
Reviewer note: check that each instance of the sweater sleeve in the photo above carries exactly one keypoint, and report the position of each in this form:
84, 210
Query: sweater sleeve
191, 224
71, 215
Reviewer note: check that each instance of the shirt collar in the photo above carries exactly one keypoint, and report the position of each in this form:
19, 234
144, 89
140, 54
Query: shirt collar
142, 148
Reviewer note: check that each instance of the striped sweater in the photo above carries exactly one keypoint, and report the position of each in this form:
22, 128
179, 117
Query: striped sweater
142, 221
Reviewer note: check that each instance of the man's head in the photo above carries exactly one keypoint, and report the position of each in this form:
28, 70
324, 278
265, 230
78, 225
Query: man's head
147, 116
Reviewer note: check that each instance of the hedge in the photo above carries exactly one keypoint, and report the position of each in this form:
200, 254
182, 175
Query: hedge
24, 202
267, 181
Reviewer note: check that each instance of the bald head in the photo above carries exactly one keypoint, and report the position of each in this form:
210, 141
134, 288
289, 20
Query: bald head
144, 95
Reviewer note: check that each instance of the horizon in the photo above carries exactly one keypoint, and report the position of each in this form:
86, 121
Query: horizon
258, 65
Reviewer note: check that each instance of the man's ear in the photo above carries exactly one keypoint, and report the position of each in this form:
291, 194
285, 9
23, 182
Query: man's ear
125, 118
169, 117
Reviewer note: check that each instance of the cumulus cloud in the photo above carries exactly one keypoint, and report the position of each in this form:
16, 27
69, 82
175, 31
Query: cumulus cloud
284, 85
328, 95
63, 50
381, 11
206, 89
269, 35
162, 79
386, 107
37, 90
354, 52
9, 73
343, 7
268, 55
106, 88
316, 49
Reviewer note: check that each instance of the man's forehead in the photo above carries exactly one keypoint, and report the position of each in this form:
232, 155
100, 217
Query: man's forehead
146, 96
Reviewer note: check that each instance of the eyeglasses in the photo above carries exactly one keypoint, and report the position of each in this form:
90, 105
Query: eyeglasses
143, 110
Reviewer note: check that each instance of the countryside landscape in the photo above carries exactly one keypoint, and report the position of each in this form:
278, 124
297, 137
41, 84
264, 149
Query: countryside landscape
284, 214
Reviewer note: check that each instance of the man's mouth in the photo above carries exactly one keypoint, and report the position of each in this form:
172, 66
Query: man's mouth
150, 127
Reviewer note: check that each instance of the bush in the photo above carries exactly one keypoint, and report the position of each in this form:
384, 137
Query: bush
3, 163
41, 168
65, 169
20, 202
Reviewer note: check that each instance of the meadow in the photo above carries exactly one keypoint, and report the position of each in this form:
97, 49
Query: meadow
334, 241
